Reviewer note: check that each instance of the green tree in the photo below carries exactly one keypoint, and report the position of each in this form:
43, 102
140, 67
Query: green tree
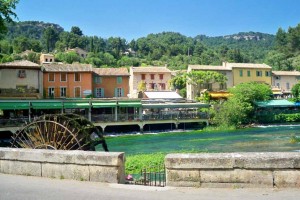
50, 37
6, 13
76, 30
296, 92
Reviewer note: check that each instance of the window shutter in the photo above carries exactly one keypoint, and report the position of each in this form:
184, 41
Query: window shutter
102, 90
95, 92
122, 92
116, 92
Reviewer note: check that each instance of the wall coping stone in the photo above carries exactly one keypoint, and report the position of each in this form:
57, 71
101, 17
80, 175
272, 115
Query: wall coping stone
249, 160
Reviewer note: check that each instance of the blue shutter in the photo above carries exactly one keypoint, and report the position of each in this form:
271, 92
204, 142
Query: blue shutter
122, 91
95, 92
116, 92
102, 92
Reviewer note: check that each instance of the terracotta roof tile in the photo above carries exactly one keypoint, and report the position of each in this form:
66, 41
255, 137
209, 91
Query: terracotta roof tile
150, 69
75, 67
21, 64
286, 73
248, 65
111, 71
208, 67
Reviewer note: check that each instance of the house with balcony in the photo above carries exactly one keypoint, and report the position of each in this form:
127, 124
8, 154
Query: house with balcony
67, 80
153, 78
283, 82
20, 79
110, 82
212, 87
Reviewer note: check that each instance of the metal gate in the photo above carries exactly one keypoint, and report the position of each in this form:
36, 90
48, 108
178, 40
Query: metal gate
150, 176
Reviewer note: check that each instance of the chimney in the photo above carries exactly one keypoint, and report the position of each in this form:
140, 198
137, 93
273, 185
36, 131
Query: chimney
224, 64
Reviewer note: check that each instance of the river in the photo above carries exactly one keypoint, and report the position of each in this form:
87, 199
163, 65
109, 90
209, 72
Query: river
258, 139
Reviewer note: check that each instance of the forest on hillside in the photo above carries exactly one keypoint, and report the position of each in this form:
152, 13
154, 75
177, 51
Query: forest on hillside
174, 49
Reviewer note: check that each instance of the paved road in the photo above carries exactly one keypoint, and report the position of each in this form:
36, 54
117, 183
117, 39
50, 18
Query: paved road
14, 187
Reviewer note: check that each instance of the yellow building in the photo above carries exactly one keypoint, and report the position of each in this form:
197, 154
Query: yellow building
250, 72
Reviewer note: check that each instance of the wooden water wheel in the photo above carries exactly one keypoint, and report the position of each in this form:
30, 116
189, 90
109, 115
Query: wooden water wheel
59, 132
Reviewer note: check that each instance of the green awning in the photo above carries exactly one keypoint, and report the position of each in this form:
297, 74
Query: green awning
275, 103
135, 104
46, 105
104, 104
14, 105
76, 104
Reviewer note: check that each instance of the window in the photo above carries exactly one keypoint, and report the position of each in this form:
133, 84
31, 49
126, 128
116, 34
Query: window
63, 92
277, 77
119, 92
143, 76
223, 86
267, 73
152, 76
163, 86
77, 77
287, 86
51, 92
77, 93
21, 73
97, 79
152, 85
258, 73
248, 73
63, 77
241, 72
99, 92
278, 85
119, 79
51, 77
50, 59
298, 77
46, 59
161, 76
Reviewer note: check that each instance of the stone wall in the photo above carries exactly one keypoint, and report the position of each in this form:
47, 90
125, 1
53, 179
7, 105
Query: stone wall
233, 170
78, 165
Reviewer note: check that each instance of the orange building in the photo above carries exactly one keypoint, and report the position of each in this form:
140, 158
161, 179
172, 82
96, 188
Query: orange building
67, 80
110, 82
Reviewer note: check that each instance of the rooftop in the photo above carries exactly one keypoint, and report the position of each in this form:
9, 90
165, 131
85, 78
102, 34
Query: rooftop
111, 71
246, 65
209, 67
75, 67
20, 64
286, 73
150, 69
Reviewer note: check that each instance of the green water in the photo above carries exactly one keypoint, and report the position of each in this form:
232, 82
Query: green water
261, 139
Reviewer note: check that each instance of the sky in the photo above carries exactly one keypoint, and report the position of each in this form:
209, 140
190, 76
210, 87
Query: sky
132, 19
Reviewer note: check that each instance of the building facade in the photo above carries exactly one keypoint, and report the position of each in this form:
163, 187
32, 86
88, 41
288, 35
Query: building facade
154, 79
21, 79
285, 80
110, 82
226, 71
67, 80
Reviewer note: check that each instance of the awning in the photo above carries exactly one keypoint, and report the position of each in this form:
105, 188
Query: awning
219, 94
177, 105
135, 104
46, 105
104, 104
275, 103
70, 105
14, 105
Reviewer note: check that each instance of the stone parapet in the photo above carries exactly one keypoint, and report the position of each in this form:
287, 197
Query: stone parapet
78, 165
268, 169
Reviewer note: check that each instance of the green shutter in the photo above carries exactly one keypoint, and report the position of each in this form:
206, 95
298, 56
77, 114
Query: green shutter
116, 92
102, 90
122, 91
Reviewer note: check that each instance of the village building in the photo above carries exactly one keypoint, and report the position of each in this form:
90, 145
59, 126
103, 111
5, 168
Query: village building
154, 79
46, 58
67, 80
82, 53
20, 79
283, 82
110, 82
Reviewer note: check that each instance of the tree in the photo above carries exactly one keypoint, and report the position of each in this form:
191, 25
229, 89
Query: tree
6, 13
296, 92
76, 30
50, 37
179, 81
239, 108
